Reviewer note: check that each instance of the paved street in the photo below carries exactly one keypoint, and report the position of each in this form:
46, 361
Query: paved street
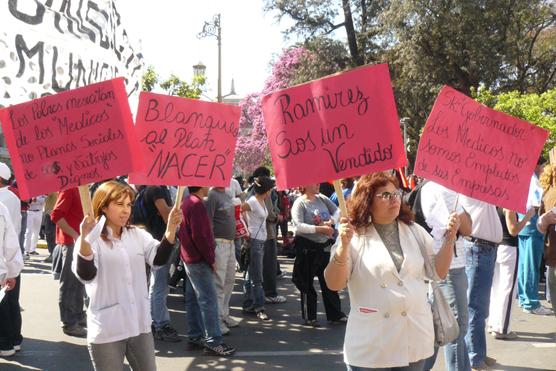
281, 344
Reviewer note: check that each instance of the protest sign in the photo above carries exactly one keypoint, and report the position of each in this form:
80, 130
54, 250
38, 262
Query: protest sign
185, 141
479, 152
70, 139
336, 127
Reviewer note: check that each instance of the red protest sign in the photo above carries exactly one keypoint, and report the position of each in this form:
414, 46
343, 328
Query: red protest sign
71, 138
185, 141
479, 152
336, 127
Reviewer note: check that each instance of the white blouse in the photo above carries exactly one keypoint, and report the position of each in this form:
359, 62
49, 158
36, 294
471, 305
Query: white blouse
390, 322
119, 305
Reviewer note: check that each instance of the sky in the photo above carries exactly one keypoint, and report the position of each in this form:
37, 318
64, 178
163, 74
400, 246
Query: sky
167, 32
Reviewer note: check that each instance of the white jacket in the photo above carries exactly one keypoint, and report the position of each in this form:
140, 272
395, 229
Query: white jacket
11, 260
390, 322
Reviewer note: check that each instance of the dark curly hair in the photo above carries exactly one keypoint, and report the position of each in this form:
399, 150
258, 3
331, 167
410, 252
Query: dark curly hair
360, 201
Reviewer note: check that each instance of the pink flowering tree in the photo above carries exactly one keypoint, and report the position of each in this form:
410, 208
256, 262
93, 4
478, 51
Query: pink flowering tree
252, 144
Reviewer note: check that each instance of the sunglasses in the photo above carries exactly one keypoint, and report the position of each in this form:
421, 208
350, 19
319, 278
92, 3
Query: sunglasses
389, 196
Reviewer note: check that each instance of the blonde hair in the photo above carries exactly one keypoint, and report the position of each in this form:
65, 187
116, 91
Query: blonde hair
105, 194
548, 177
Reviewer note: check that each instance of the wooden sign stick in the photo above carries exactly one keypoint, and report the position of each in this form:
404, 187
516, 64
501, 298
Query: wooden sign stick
86, 203
341, 199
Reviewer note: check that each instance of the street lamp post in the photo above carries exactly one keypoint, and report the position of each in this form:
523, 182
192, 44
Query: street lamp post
213, 29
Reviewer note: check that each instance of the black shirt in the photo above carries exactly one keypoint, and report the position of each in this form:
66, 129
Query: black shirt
507, 238
155, 224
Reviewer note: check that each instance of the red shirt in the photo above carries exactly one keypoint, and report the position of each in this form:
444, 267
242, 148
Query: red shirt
68, 206
197, 240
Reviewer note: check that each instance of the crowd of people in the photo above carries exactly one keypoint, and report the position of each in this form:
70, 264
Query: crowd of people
115, 266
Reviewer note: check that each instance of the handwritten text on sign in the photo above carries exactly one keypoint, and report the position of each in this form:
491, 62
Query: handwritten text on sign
70, 139
185, 141
340, 126
480, 152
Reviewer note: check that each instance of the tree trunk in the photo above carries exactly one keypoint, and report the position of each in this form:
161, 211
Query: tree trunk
352, 39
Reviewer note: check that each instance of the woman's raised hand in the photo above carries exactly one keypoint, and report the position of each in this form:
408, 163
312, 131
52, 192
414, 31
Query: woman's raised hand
87, 225
174, 220
345, 231
452, 227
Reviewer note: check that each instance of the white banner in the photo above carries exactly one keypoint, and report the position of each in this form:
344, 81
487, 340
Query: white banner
50, 46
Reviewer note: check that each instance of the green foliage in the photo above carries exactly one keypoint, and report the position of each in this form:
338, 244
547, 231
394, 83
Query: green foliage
149, 79
173, 85
325, 57
538, 109
505, 45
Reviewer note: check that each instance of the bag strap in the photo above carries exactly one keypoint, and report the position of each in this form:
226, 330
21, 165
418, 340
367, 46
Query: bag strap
429, 268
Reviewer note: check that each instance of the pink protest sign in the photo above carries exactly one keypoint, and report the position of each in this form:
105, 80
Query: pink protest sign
70, 139
479, 152
185, 141
336, 127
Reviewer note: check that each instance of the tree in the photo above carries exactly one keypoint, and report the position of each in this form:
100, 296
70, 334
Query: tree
173, 85
252, 143
503, 44
358, 19
538, 109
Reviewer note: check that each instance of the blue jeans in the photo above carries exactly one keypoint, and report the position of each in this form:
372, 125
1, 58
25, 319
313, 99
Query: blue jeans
530, 255
253, 283
158, 293
201, 304
415, 366
269, 268
454, 288
480, 261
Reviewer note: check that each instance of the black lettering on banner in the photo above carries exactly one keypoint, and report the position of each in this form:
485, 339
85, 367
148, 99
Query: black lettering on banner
186, 139
29, 175
32, 19
288, 147
104, 137
21, 49
177, 164
367, 156
340, 132
315, 104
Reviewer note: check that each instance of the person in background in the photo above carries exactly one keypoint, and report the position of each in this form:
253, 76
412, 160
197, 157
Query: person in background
198, 254
378, 257
270, 257
112, 267
256, 213
49, 226
221, 214
158, 204
11, 264
34, 220
505, 274
480, 256
531, 246
546, 225
347, 188
314, 216
67, 214
10, 199
437, 202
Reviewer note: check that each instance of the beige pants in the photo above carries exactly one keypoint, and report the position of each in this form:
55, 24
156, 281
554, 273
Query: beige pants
138, 350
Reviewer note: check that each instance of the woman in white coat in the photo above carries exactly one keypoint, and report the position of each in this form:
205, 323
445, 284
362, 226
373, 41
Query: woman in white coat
378, 258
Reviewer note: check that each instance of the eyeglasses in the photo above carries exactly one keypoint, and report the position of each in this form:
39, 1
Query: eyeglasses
389, 196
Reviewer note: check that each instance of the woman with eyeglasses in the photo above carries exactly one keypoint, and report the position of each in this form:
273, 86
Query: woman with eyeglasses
314, 216
378, 258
